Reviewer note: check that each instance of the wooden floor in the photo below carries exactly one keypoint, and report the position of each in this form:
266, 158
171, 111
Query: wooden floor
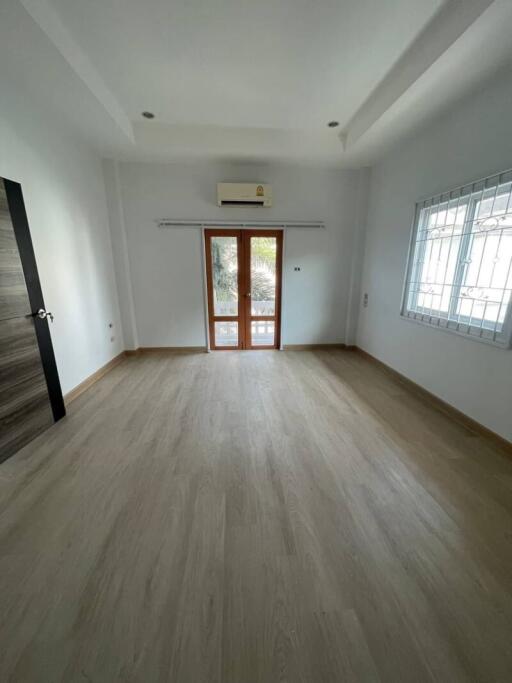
255, 516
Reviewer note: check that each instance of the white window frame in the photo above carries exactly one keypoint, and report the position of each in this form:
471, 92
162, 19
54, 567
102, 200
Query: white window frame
453, 322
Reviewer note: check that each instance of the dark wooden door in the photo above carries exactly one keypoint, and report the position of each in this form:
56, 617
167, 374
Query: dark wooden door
243, 269
30, 394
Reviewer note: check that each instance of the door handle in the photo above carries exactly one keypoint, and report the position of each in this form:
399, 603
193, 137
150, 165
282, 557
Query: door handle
41, 313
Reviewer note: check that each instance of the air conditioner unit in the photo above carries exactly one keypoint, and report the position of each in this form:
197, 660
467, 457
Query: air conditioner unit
244, 194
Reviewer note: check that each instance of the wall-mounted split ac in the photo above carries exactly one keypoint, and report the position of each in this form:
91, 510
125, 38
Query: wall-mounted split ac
244, 194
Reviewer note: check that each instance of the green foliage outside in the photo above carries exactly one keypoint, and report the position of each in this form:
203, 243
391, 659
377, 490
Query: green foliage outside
225, 273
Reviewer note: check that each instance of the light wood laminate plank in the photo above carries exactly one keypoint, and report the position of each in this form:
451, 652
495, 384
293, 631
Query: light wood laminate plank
254, 517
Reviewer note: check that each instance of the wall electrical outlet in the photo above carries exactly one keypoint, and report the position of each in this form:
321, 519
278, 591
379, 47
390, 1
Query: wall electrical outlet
365, 300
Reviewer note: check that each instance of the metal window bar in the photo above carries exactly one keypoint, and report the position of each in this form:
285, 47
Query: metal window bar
483, 250
463, 263
482, 258
457, 241
508, 316
416, 262
479, 223
449, 249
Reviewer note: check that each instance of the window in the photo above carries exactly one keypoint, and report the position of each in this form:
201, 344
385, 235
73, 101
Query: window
459, 275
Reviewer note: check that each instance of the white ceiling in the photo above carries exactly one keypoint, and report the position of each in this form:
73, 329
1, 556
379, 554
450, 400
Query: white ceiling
233, 79
259, 64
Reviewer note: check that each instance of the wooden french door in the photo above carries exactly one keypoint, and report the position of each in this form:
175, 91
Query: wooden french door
243, 270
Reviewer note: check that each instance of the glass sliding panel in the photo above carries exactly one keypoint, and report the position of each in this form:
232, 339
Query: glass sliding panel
487, 281
262, 332
263, 276
436, 257
226, 333
225, 275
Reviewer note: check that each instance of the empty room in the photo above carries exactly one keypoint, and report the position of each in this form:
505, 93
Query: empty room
255, 341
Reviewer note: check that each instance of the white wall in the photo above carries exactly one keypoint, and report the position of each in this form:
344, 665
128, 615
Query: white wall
470, 141
120, 253
166, 264
64, 195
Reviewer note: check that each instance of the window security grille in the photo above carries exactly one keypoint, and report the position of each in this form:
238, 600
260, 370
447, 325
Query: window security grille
459, 274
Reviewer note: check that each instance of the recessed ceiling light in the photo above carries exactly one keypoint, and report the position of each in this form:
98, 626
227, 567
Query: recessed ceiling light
333, 124
148, 115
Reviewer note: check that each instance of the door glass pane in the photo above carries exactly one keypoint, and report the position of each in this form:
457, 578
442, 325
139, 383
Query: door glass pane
263, 276
225, 275
262, 332
226, 333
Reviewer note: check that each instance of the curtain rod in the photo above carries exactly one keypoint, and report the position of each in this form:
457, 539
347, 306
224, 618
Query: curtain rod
169, 223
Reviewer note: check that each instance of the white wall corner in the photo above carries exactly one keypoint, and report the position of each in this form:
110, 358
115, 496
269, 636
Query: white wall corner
120, 254
358, 244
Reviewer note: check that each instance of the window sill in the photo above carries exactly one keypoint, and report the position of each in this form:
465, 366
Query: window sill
500, 342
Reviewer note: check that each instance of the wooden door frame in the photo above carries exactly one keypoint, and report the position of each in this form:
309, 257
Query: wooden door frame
212, 318
260, 232
21, 230
244, 317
